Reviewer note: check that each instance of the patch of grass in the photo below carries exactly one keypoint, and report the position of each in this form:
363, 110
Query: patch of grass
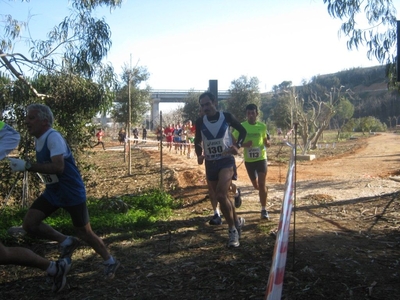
330, 136
266, 227
123, 213
9, 217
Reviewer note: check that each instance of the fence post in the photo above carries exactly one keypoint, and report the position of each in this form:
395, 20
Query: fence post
161, 156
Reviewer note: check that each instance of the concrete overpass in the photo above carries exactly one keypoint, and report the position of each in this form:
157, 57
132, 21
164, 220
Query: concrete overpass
171, 96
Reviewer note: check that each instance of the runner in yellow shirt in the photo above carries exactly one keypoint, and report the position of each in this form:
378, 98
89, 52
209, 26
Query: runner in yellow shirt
255, 154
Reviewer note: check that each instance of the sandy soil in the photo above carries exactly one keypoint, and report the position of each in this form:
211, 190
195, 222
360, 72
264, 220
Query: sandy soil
364, 172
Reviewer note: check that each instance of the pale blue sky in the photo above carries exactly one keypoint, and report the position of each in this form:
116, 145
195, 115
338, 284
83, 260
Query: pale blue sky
185, 43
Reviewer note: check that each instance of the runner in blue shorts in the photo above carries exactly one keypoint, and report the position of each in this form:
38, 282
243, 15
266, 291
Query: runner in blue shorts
216, 218
56, 270
214, 139
56, 167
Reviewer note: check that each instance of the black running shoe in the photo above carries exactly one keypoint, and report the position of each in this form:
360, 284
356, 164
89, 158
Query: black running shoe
216, 220
238, 199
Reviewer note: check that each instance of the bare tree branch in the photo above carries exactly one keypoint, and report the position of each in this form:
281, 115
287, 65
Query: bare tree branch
18, 75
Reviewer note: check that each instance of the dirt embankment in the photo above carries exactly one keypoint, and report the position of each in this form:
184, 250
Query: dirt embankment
366, 170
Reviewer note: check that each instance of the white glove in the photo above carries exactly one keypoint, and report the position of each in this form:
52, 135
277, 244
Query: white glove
17, 164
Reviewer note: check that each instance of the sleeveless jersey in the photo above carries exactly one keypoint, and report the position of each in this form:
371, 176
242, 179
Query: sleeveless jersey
255, 133
66, 189
216, 137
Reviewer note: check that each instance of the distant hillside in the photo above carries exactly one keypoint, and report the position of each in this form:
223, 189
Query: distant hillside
365, 88
362, 79
370, 94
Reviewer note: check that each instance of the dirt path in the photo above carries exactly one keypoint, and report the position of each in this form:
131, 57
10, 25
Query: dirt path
338, 218
363, 173
360, 173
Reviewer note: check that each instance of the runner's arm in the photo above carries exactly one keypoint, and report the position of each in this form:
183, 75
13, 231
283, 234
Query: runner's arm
267, 140
56, 166
197, 138
234, 123
9, 139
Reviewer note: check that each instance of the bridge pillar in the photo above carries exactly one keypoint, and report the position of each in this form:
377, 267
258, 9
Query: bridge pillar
155, 113
213, 88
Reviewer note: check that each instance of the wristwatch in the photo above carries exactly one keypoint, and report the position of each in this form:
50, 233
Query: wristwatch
28, 165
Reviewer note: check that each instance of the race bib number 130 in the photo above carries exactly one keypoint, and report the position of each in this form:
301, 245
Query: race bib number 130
214, 147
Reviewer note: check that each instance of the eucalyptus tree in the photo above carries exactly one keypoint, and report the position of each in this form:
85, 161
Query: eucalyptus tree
243, 91
344, 112
370, 23
65, 71
268, 103
73, 99
130, 86
72, 53
191, 108
282, 111
77, 44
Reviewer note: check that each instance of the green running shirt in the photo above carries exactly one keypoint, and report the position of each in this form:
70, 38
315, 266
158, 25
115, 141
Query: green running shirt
255, 133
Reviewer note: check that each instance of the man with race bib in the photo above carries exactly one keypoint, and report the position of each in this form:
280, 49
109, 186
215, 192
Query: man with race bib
64, 189
213, 138
255, 154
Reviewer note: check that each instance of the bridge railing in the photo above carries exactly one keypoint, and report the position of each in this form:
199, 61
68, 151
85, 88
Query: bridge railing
180, 93
166, 91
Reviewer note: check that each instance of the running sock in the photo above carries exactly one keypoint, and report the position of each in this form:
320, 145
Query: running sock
52, 269
66, 242
237, 225
263, 208
216, 212
109, 261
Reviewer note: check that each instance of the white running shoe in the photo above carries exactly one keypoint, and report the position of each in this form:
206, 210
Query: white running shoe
233, 238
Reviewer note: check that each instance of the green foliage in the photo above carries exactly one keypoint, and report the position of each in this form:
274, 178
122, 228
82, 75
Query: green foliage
281, 112
124, 213
344, 112
271, 127
350, 125
279, 106
380, 34
68, 76
9, 217
365, 88
344, 135
82, 40
140, 98
243, 91
284, 85
192, 107
74, 102
267, 105
344, 109
358, 76
369, 124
